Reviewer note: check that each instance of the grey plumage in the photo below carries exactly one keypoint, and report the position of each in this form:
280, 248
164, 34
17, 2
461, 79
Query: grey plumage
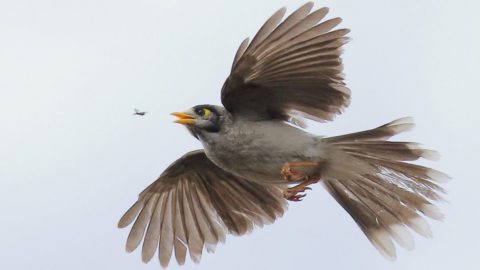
291, 70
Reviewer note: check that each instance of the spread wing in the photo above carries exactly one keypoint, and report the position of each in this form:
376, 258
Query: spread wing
291, 68
194, 204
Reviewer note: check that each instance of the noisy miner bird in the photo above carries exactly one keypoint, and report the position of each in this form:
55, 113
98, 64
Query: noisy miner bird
255, 158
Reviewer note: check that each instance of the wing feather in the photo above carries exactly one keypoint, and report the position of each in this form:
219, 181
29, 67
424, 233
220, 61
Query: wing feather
131, 214
288, 23
301, 26
193, 205
180, 241
152, 236
291, 69
240, 51
195, 238
266, 29
204, 225
138, 228
166, 234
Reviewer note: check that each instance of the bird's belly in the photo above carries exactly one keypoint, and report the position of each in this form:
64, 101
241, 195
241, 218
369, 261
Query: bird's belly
252, 163
252, 167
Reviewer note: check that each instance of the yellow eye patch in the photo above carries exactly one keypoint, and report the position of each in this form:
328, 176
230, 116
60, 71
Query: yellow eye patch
206, 113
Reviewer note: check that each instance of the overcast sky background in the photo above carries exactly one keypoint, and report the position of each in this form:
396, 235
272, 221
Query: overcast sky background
73, 159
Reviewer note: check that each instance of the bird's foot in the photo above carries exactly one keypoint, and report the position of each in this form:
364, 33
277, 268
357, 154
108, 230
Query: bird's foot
305, 172
292, 194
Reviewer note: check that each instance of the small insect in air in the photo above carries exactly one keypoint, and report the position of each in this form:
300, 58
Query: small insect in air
138, 112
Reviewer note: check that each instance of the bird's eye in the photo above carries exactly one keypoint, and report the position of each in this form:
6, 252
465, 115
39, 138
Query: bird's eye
199, 111
204, 112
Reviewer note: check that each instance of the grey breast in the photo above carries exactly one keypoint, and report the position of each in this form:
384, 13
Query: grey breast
257, 150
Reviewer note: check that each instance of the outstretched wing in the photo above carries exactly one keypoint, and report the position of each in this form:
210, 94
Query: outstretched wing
194, 204
291, 68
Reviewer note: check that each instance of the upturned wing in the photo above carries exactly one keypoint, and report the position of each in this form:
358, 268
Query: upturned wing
194, 204
291, 68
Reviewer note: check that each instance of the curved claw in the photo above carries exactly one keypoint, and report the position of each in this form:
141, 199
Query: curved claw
292, 195
297, 198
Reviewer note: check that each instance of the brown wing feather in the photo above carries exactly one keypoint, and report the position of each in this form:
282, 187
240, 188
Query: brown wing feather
290, 69
193, 205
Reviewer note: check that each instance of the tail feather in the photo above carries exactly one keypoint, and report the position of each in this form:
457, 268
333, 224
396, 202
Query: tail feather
405, 151
373, 181
380, 133
412, 177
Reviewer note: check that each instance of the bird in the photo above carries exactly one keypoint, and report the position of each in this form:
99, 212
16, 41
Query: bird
138, 112
257, 155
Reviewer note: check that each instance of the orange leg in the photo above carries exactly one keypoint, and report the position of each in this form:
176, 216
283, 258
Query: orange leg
296, 171
307, 172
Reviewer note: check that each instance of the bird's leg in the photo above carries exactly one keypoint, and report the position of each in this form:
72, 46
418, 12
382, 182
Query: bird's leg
297, 171
307, 172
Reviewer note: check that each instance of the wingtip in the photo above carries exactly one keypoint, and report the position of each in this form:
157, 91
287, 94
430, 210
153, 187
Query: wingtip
164, 261
280, 12
307, 6
146, 258
121, 224
129, 249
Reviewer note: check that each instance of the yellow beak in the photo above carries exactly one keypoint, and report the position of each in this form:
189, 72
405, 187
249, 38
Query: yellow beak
183, 118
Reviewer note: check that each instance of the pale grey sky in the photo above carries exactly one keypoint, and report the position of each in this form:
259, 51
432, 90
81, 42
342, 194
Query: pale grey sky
73, 159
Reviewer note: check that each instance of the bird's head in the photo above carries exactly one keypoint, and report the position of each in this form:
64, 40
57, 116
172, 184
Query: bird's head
202, 119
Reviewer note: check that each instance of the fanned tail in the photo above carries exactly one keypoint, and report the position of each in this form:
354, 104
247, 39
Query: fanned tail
374, 182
